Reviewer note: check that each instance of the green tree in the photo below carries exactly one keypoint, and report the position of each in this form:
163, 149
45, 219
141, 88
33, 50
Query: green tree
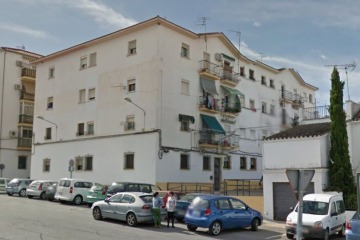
340, 171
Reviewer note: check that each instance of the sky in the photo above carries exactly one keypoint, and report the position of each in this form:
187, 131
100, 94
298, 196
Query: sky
306, 35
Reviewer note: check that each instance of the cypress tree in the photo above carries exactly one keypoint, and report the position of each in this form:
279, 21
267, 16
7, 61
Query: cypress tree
340, 170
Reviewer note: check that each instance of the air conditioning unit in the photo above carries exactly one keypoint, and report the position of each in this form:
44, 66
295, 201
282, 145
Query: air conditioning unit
17, 86
218, 57
12, 133
19, 63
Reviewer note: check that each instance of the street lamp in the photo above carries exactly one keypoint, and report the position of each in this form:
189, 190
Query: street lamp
130, 101
42, 118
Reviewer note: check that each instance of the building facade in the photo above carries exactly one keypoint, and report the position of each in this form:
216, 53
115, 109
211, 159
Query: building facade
16, 111
158, 103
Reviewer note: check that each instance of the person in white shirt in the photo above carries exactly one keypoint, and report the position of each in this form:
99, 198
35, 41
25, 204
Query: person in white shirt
170, 207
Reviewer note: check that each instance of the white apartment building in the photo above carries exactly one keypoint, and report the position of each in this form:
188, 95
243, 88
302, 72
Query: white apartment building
158, 103
17, 79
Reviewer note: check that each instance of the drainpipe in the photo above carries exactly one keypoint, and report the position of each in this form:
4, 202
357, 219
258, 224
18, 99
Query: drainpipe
2, 102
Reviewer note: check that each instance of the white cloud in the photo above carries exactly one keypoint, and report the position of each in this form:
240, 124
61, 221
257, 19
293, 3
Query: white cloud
23, 30
257, 24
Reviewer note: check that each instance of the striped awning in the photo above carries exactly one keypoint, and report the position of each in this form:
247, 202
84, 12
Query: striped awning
212, 123
208, 86
232, 91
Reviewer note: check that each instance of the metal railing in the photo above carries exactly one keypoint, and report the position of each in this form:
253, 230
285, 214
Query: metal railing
286, 95
229, 75
210, 103
206, 66
232, 107
24, 118
208, 136
24, 142
316, 112
26, 72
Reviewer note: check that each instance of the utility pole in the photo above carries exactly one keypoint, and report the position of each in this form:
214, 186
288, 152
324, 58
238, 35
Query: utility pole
350, 66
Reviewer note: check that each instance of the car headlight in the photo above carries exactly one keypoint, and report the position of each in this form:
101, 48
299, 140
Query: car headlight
289, 222
318, 224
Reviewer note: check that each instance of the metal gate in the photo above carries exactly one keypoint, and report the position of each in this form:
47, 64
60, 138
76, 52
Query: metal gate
284, 199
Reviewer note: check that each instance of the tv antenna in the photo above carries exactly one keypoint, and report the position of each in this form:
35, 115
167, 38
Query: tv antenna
21, 47
202, 22
350, 67
238, 33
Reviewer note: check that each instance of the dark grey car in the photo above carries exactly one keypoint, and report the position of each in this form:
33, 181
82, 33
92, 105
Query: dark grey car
18, 186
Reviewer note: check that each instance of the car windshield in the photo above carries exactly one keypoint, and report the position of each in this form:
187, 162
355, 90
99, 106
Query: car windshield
316, 208
116, 187
147, 198
15, 181
200, 203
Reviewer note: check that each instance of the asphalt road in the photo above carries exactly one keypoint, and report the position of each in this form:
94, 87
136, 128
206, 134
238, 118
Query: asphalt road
34, 219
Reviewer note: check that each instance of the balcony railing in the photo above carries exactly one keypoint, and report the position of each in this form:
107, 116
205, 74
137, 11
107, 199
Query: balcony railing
316, 112
26, 72
209, 67
213, 104
286, 95
24, 118
228, 75
24, 142
208, 136
232, 108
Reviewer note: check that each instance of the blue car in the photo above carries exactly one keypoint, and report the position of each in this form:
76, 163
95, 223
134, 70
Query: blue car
221, 212
353, 228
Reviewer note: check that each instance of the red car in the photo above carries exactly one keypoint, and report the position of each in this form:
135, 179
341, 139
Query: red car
165, 194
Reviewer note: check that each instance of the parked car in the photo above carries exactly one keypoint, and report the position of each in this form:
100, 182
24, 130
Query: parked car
72, 190
182, 205
3, 183
96, 193
132, 207
164, 194
353, 228
37, 188
18, 186
50, 192
221, 212
323, 215
117, 187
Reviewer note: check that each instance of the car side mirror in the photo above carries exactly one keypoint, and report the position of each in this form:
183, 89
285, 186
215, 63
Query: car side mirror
107, 200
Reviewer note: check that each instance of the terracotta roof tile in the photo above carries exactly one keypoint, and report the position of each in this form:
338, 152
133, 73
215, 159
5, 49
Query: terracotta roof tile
22, 52
307, 130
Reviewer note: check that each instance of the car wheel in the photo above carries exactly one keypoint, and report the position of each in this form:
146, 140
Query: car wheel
326, 234
341, 233
97, 213
131, 220
78, 199
22, 193
215, 228
42, 196
191, 228
89, 205
10, 194
290, 236
180, 219
62, 201
30, 196
255, 224
50, 199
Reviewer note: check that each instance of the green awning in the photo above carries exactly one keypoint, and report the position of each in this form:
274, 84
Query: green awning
233, 91
183, 117
228, 57
208, 86
212, 123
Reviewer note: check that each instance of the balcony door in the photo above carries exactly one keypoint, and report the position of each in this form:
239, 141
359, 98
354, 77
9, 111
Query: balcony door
217, 173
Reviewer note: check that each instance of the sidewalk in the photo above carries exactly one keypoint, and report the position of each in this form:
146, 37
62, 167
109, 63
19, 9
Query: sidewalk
272, 223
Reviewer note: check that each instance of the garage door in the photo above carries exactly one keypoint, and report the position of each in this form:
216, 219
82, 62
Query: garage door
284, 199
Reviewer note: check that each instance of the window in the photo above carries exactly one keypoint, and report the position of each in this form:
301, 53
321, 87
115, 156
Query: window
310, 98
252, 134
272, 110
237, 204
184, 162
305, 96
80, 129
79, 162
340, 207
50, 102
263, 108
90, 128
83, 63
129, 161
91, 94
185, 125
82, 95
227, 162
242, 162
253, 163
251, 74
131, 85
46, 165
132, 48
206, 163
263, 80
242, 71
48, 133
51, 72
92, 60
88, 163
185, 50
22, 162
185, 87
130, 123
252, 105
272, 85
264, 133
26, 133
242, 100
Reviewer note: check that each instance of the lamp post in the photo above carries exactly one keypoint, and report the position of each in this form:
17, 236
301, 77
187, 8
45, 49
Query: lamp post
130, 101
42, 118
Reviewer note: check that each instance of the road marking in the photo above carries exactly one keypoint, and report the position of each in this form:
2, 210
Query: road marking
277, 236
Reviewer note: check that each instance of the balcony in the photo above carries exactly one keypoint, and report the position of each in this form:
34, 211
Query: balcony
24, 143
286, 96
209, 70
229, 77
24, 118
212, 139
297, 101
231, 109
209, 105
28, 73
312, 113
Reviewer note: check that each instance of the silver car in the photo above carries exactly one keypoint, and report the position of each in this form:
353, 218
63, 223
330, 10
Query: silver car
38, 188
132, 207
18, 186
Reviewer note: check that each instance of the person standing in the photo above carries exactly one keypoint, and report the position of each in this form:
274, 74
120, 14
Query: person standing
156, 209
170, 207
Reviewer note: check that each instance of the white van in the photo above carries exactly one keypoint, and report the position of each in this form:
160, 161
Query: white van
72, 190
323, 215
